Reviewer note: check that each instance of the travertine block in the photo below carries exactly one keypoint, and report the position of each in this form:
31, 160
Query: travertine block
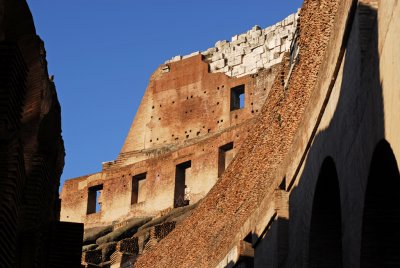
258, 50
219, 64
217, 56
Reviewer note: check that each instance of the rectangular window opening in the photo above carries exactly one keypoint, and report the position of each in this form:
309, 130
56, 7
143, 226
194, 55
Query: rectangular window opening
138, 182
237, 97
94, 199
225, 156
181, 190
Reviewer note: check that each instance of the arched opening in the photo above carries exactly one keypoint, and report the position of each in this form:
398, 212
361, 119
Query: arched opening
380, 243
325, 246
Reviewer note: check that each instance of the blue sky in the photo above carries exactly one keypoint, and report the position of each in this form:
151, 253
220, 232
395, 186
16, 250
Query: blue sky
103, 52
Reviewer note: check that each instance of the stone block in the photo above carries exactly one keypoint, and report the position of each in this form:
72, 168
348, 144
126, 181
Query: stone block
219, 64
223, 70
238, 70
258, 50
256, 28
234, 38
256, 34
234, 60
217, 56
290, 19
221, 44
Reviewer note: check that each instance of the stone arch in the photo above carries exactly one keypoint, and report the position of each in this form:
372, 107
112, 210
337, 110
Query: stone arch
380, 241
325, 244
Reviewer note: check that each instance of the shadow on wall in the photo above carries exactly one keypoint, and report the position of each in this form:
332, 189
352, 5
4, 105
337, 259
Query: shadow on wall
345, 210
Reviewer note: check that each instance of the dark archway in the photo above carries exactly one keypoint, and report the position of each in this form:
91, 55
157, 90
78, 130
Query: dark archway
380, 244
325, 246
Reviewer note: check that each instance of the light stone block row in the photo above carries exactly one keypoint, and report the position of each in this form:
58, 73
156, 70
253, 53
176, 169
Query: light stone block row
251, 51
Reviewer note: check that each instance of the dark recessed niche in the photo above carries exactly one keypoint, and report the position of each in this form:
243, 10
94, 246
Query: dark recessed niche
159, 118
151, 140
265, 89
217, 103
217, 88
160, 105
185, 131
218, 122
152, 107
251, 103
205, 92
157, 138
187, 136
190, 130
173, 102
237, 97
222, 120
256, 111
198, 133
191, 97
209, 130
236, 116
223, 86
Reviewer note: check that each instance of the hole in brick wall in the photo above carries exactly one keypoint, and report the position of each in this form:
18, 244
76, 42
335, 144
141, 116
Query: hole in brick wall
176, 139
236, 116
256, 111
217, 88
209, 130
251, 103
181, 170
190, 130
222, 120
217, 103
204, 126
223, 86
237, 97
185, 131
138, 184
152, 107
157, 138
160, 105
205, 92
225, 156
187, 136
173, 102
252, 111
265, 89
151, 116
198, 133
191, 97
94, 199
159, 118
187, 98
218, 122
151, 140
186, 112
